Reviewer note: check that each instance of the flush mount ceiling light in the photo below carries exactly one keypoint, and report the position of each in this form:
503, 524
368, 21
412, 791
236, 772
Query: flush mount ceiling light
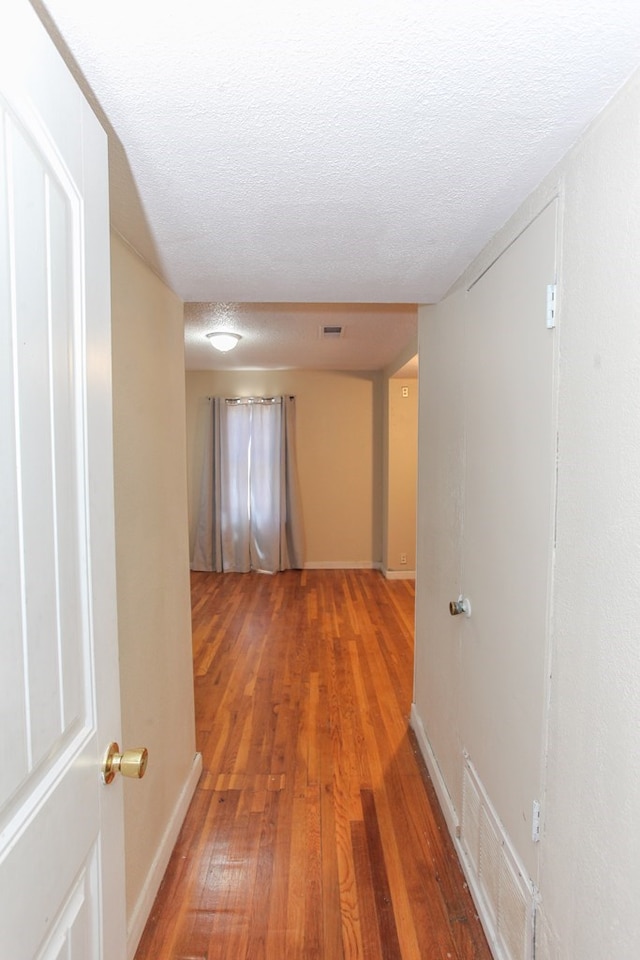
224, 341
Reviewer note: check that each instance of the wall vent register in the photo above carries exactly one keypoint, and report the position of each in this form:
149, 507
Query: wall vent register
331, 333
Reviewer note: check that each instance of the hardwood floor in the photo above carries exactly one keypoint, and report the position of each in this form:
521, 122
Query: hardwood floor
314, 833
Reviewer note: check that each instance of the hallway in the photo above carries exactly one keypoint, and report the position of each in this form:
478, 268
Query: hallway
314, 832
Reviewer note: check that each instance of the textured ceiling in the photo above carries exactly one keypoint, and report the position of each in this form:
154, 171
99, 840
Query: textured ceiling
338, 151
282, 335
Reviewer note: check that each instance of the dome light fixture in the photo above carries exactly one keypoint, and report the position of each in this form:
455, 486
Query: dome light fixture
223, 341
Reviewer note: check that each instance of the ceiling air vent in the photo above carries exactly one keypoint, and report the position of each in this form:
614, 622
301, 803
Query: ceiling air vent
331, 333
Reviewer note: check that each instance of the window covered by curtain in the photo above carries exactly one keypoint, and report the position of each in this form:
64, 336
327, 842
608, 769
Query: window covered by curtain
249, 517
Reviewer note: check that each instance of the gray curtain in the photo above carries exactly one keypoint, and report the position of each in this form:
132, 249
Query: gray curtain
250, 516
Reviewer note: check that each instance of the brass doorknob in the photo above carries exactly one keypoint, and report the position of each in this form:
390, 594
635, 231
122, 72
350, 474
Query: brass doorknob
130, 763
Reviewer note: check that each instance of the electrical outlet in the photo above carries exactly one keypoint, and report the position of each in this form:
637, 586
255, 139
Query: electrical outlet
403, 558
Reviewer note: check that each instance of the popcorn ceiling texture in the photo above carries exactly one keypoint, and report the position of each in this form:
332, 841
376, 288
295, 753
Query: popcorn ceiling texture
288, 335
342, 151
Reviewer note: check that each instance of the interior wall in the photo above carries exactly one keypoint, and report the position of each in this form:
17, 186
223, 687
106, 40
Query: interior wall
589, 869
591, 858
402, 467
441, 472
339, 429
154, 624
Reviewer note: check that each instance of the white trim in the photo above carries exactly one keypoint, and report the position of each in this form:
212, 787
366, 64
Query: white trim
444, 797
453, 824
491, 911
480, 901
399, 574
342, 565
142, 909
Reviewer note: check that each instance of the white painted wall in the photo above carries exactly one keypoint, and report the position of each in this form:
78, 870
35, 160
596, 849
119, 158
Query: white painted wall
589, 873
591, 856
154, 621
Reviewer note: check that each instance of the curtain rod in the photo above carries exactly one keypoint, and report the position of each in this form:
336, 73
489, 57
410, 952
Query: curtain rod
239, 400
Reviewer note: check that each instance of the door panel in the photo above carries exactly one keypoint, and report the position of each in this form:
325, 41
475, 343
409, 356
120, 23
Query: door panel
440, 517
61, 862
73, 934
508, 523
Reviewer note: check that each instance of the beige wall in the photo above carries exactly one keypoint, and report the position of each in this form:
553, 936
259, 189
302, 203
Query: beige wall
339, 436
152, 562
402, 465
589, 871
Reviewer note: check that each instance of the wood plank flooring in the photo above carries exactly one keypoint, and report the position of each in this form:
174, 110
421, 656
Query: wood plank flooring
314, 833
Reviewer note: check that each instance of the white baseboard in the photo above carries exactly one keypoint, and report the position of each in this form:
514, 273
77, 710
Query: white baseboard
142, 909
504, 895
444, 797
399, 574
342, 565
485, 910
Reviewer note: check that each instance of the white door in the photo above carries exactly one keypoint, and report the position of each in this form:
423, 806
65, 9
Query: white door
61, 855
508, 526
